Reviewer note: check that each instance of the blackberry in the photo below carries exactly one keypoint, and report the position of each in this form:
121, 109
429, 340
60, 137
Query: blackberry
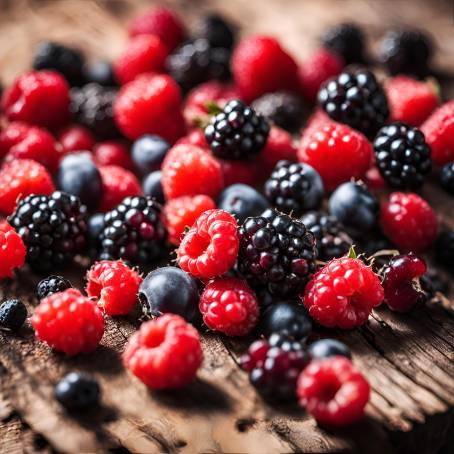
276, 251
357, 99
133, 231
196, 62
347, 40
282, 108
447, 178
52, 284
92, 107
67, 61
331, 239
77, 391
12, 314
444, 249
402, 156
274, 366
238, 132
407, 52
294, 187
216, 31
53, 228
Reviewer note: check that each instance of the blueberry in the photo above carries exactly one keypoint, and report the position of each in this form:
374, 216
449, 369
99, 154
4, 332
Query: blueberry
169, 289
152, 186
100, 72
242, 201
50, 285
77, 391
95, 226
78, 175
328, 347
148, 152
12, 314
355, 207
286, 316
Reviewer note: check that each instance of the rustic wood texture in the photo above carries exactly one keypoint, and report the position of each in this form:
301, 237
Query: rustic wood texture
408, 359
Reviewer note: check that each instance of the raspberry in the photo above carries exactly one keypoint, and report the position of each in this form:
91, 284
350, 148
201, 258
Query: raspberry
260, 65
51, 285
182, 212
38, 97
161, 22
12, 250
228, 305
69, 322
11, 135
410, 100
76, 138
20, 178
409, 221
117, 184
346, 40
210, 247
195, 137
439, 132
333, 391
373, 179
112, 153
115, 285
189, 170
143, 54
343, 293
246, 172
165, 352
150, 104
320, 66
337, 152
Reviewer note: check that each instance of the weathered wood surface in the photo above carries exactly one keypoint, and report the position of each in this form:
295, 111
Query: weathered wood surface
408, 359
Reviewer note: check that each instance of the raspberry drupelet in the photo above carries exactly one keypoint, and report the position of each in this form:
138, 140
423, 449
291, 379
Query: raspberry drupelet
12, 250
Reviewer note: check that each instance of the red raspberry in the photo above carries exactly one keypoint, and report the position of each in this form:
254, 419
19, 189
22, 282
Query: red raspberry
333, 391
13, 134
182, 212
38, 97
374, 180
165, 352
439, 132
115, 284
343, 293
150, 104
20, 178
189, 170
117, 184
336, 151
209, 249
317, 120
143, 54
410, 101
260, 65
246, 172
12, 250
161, 22
195, 137
112, 153
69, 322
320, 66
228, 305
409, 222
76, 138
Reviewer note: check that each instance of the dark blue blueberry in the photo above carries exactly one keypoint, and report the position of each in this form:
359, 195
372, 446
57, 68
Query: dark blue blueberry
95, 226
148, 152
328, 347
100, 72
12, 314
152, 187
77, 391
447, 178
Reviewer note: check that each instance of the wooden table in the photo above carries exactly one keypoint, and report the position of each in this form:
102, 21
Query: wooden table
408, 359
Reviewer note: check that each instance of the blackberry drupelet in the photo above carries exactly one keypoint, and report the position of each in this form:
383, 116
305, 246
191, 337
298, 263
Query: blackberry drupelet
331, 239
53, 228
92, 107
133, 231
52, 284
407, 52
77, 391
347, 40
447, 178
277, 252
356, 98
238, 132
402, 156
282, 108
12, 314
294, 188
217, 31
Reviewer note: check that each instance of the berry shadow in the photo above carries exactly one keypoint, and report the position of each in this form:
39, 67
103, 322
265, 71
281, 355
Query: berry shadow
104, 359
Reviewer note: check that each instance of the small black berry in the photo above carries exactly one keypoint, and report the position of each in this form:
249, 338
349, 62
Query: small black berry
447, 178
77, 391
12, 314
347, 40
325, 348
100, 72
51, 285
216, 31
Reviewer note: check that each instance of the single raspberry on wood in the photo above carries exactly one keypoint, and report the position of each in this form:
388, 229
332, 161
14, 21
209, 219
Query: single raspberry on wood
12, 250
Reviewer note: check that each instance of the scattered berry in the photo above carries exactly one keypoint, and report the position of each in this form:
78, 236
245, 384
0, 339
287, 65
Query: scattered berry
346, 40
112, 153
76, 138
77, 391
217, 31
12, 250
148, 152
444, 249
13, 314
325, 348
100, 72
152, 187
50, 285
447, 177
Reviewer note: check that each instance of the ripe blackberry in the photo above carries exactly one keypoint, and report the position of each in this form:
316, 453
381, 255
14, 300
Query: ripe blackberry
238, 132
331, 239
53, 228
294, 188
447, 177
196, 62
12, 314
282, 108
51, 285
92, 107
276, 251
402, 155
357, 99
133, 231
347, 40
